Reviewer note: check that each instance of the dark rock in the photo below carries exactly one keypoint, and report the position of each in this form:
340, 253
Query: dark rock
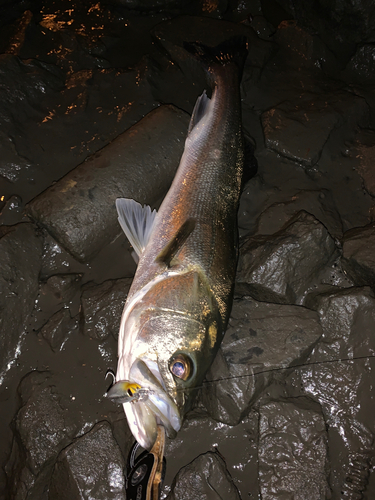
206, 478
281, 268
364, 151
92, 467
299, 130
341, 25
12, 212
358, 257
237, 444
58, 329
102, 307
293, 452
262, 27
57, 261
62, 286
338, 375
20, 263
304, 50
261, 341
41, 430
79, 211
318, 203
361, 67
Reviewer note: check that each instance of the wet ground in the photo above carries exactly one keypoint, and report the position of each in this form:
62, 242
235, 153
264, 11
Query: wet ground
294, 416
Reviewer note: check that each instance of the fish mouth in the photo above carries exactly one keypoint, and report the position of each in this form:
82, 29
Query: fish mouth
154, 407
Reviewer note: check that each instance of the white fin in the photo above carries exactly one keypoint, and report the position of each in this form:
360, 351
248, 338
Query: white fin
136, 222
200, 109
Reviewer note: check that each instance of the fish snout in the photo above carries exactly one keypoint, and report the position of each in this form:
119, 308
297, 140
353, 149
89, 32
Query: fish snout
147, 404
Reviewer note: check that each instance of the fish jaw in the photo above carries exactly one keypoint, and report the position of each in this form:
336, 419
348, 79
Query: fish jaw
155, 407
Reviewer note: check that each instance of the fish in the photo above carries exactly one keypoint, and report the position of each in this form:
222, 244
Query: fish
178, 306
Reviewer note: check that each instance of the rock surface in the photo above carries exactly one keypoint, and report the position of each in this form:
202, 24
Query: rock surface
280, 268
299, 130
79, 211
293, 451
261, 341
338, 375
206, 478
91, 468
20, 263
358, 257
102, 307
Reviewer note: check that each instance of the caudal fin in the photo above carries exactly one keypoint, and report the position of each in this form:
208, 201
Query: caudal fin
231, 51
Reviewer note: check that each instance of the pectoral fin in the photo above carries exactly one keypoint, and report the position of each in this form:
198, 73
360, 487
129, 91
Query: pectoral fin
136, 221
174, 246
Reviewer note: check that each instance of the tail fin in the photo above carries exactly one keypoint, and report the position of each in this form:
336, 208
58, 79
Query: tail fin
233, 50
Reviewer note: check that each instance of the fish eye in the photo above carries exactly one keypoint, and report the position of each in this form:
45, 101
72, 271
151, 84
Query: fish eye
180, 366
130, 392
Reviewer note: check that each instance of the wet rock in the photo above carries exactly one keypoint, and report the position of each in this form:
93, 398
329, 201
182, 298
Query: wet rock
102, 307
364, 150
58, 329
92, 467
20, 263
341, 25
293, 453
12, 164
79, 211
57, 261
304, 50
238, 446
318, 203
62, 286
338, 375
206, 478
358, 257
299, 130
361, 67
281, 267
11, 213
41, 430
261, 341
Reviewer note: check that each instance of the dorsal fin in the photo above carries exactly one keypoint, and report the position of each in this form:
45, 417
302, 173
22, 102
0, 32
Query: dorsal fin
171, 249
136, 222
200, 109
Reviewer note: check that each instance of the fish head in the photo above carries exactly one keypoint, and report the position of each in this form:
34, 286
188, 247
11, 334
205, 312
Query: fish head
167, 360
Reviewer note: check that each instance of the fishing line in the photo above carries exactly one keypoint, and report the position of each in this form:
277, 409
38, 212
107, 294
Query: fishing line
270, 370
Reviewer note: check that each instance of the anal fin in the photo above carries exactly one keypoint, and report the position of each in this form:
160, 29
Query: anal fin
168, 253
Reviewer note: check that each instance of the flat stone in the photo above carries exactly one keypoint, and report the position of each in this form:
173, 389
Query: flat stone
20, 263
102, 307
206, 478
293, 451
281, 267
261, 341
358, 258
91, 468
79, 210
299, 130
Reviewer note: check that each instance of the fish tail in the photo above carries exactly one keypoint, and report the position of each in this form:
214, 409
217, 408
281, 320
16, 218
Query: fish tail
231, 51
